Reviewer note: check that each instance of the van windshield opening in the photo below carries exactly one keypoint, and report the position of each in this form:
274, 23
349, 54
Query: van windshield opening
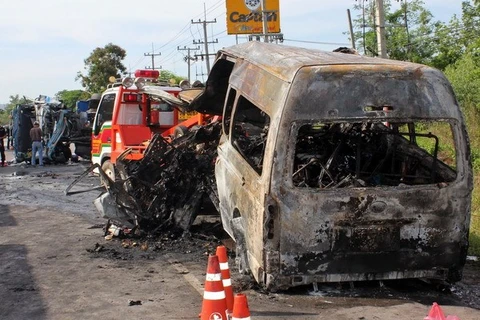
373, 154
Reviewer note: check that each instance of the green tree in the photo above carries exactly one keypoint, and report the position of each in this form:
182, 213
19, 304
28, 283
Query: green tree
167, 76
70, 97
14, 100
408, 31
464, 75
102, 64
458, 37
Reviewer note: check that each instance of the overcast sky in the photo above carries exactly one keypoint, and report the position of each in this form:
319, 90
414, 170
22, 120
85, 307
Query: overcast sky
43, 43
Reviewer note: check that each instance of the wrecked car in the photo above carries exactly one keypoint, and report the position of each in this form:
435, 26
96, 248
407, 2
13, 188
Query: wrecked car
60, 127
337, 167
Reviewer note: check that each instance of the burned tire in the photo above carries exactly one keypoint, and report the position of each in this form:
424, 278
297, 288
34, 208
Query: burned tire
109, 169
180, 131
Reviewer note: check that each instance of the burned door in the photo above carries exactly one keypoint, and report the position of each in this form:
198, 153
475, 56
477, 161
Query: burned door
240, 178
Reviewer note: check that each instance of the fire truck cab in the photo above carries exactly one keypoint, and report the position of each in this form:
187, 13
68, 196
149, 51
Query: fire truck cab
127, 117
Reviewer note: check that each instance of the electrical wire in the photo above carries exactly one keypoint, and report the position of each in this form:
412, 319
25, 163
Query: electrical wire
319, 42
175, 42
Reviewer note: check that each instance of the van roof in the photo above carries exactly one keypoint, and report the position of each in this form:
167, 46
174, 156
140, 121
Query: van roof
270, 56
265, 73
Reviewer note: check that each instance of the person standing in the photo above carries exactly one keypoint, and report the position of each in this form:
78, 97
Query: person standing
9, 136
36, 136
3, 133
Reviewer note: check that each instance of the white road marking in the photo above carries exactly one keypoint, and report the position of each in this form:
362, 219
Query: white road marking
197, 285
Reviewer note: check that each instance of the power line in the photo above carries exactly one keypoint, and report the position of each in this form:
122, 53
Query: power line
318, 42
175, 42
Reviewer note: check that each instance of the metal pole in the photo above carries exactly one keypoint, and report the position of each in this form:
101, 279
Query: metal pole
380, 28
153, 58
188, 61
408, 34
207, 57
352, 37
363, 26
264, 20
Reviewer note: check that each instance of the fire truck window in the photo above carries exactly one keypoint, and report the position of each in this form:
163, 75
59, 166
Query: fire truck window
164, 107
249, 132
129, 114
104, 112
227, 111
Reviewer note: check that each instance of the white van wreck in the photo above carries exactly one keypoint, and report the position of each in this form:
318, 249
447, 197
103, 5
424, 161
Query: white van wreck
338, 167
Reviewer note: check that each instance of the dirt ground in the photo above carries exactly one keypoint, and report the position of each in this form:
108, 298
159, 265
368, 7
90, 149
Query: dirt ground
56, 264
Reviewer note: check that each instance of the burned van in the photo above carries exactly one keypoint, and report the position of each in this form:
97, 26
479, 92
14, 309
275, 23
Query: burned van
337, 167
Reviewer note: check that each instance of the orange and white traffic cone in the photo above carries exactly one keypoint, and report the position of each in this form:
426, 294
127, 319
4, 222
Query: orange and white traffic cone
240, 308
227, 282
214, 306
436, 313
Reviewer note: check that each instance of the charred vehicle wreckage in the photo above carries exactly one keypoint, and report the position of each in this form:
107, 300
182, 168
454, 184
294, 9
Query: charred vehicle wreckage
60, 126
324, 166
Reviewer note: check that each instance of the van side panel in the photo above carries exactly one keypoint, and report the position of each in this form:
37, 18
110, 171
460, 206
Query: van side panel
241, 190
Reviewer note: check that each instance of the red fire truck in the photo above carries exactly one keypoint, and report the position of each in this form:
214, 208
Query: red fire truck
129, 113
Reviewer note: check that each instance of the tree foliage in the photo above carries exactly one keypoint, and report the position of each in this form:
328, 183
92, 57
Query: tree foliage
458, 53
100, 66
14, 100
464, 75
70, 97
167, 76
408, 30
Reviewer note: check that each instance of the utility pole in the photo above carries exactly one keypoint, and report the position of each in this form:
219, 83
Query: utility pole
380, 28
153, 54
189, 58
205, 42
264, 20
408, 34
352, 36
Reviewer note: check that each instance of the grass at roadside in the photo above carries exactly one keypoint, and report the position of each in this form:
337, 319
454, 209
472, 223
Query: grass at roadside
474, 238
472, 117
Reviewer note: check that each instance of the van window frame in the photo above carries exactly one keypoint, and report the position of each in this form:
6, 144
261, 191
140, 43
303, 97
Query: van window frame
298, 124
258, 167
228, 109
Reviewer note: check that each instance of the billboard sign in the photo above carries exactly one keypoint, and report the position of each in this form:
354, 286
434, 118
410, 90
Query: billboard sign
245, 16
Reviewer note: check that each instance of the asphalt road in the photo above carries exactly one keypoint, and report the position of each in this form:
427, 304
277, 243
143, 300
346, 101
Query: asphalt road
56, 264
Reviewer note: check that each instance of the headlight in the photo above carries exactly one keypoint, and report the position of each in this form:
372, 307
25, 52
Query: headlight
184, 84
140, 83
127, 82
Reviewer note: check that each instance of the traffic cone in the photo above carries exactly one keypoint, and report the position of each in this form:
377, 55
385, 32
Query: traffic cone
214, 304
227, 282
240, 308
435, 313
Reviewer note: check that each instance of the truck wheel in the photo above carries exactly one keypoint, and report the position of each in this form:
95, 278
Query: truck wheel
109, 169
180, 131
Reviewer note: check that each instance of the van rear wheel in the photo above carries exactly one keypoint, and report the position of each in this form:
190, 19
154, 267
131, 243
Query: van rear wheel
109, 170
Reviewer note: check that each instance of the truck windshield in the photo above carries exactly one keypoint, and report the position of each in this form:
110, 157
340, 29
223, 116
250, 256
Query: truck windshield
373, 154
104, 112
